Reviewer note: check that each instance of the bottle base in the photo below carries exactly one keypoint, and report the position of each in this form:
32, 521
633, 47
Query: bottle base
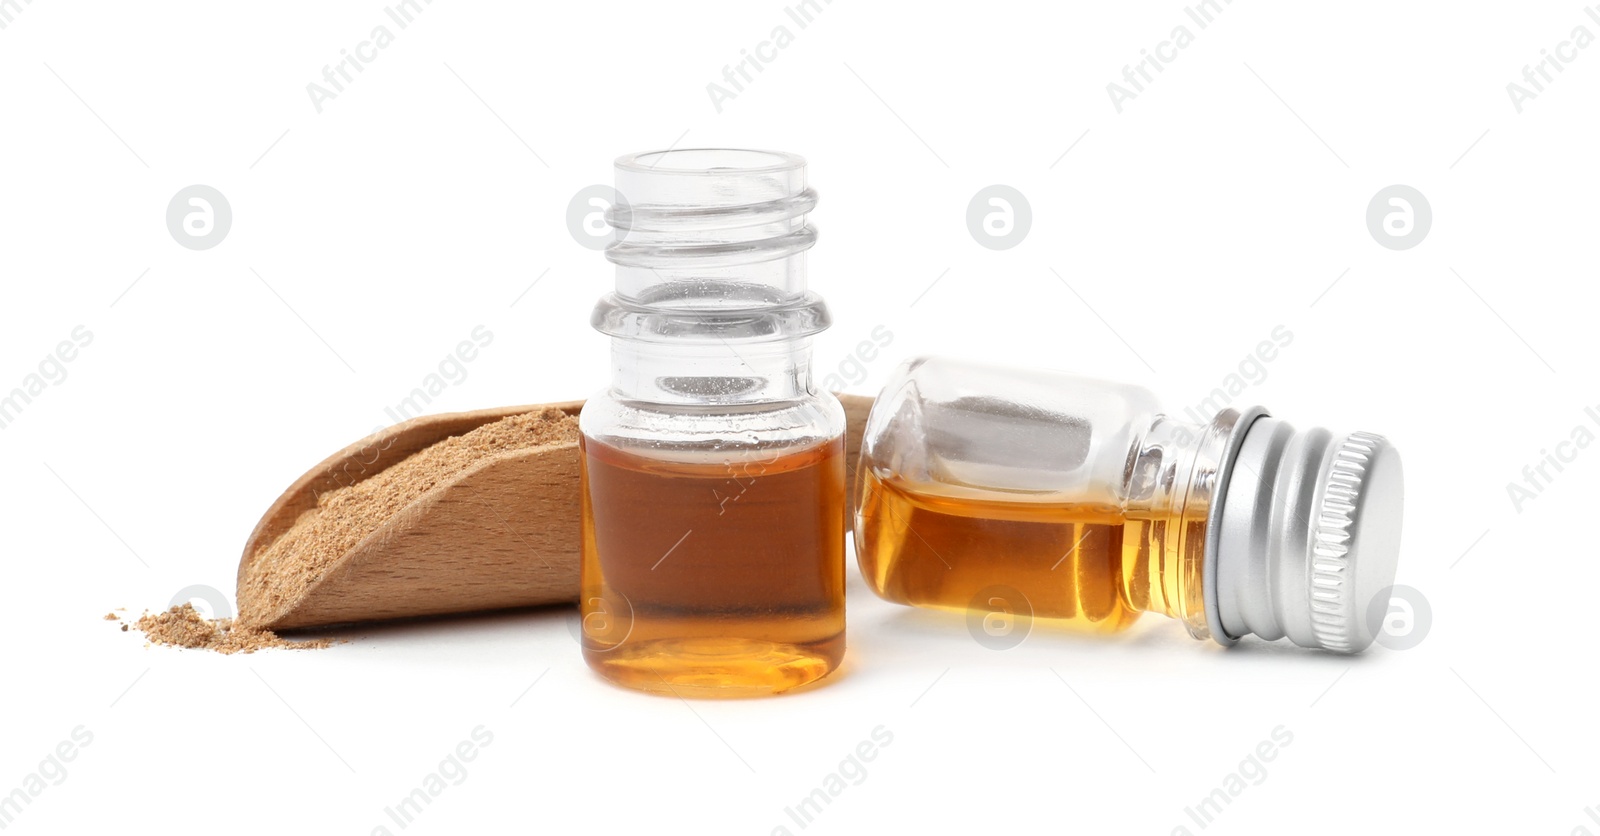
717, 668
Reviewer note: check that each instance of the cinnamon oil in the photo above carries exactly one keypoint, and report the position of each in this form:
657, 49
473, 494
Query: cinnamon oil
713, 573
1083, 566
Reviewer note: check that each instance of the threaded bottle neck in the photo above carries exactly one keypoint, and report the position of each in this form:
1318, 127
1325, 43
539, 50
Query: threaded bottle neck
711, 227
711, 304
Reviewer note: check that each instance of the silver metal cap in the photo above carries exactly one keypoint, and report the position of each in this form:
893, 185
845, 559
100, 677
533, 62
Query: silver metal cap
1309, 536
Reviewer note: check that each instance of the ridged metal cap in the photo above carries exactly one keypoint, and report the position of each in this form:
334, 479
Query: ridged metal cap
1309, 536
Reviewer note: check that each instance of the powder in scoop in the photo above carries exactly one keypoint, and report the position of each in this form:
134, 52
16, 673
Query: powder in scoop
183, 626
283, 573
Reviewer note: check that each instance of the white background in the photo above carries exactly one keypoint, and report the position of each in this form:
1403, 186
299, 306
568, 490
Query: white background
368, 239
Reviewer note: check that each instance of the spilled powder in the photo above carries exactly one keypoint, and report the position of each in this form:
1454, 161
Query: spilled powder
184, 626
283, 573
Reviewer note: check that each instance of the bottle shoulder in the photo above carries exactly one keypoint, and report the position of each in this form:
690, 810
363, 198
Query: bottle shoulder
812, 418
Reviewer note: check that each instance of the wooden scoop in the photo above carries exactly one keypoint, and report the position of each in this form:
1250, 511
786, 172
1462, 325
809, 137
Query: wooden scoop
501, 534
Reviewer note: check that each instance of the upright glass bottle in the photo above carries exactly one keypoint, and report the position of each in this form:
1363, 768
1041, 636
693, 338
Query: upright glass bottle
1048, 495
713, 470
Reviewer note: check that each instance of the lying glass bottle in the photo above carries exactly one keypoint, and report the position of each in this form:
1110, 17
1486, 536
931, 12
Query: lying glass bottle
1058, 497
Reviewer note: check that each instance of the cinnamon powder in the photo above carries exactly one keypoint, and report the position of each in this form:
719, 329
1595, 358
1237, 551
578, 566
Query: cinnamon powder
184, 626
296, 560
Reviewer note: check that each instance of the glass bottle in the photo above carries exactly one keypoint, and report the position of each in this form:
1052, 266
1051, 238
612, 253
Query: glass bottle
1046, 495
713, 469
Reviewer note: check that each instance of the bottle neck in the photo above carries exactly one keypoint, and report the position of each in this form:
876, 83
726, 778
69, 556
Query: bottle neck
711, 229
710, 306
711, 373
1172, 491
